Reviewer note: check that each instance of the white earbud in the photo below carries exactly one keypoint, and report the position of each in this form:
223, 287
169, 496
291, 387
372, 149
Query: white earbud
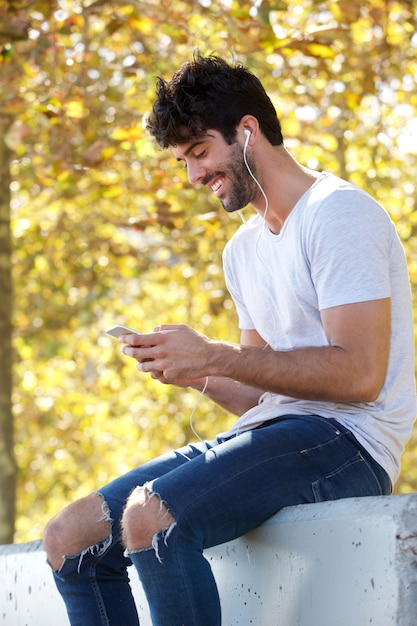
247, 133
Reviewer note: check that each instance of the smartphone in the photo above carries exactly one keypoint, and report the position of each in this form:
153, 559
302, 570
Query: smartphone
119, 329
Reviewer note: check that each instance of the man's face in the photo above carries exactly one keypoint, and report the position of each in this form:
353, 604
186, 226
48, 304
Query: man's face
211, 161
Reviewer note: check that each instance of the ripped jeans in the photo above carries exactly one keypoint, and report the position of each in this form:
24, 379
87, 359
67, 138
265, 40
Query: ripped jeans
216, 492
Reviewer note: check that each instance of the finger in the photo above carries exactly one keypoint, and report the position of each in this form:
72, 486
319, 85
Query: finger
145, 340
159, 376
139, 353
130, 338
146, 366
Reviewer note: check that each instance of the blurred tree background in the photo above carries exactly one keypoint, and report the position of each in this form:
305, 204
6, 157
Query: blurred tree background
98, 226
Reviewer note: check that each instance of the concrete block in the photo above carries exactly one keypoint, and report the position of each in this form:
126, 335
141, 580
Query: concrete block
350, 562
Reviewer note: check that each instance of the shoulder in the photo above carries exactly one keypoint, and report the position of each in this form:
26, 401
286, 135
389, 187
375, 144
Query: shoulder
337, 201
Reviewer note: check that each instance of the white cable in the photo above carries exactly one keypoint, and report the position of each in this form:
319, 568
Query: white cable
242, 217
195, 408
258, 253
261, 232
255, 179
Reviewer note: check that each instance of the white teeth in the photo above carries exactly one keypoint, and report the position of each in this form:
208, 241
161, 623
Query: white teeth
217, 185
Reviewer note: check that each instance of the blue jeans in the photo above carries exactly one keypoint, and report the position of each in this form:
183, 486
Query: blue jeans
216, 492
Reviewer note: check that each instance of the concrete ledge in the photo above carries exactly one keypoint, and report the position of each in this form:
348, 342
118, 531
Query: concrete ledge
347, 563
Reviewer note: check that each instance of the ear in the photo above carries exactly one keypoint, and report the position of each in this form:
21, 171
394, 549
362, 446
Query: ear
248, 129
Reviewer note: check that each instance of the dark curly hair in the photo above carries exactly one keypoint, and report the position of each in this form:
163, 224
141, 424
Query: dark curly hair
209, 93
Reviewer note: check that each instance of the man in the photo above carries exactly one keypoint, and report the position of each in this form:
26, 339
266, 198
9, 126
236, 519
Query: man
323, 378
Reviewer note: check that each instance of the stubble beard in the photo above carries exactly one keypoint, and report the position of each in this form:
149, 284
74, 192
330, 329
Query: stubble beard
243, 188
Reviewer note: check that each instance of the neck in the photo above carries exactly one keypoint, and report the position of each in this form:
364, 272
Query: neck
284, 182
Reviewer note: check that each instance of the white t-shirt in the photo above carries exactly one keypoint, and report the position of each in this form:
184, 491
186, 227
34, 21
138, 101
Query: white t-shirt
337, 246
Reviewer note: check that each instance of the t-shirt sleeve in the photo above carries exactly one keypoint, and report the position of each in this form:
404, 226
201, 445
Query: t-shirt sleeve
348, 244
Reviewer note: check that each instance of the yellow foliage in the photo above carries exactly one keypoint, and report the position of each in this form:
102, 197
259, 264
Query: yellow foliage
106, 229
75, 109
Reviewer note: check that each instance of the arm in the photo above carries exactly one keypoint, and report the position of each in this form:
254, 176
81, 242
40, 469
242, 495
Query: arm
352, 368
233, 395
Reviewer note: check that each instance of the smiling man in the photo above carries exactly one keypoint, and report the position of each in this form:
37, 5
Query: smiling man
322, 381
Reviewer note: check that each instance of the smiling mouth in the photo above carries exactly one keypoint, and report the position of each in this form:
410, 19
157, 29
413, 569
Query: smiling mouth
216, 184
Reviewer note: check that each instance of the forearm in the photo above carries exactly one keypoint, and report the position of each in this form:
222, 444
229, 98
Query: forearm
351, 368
232, 395
325, 373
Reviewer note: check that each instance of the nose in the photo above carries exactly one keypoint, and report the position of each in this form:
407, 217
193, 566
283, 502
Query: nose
195, 172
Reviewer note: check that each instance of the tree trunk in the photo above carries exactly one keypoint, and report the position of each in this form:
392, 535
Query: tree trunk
7, 460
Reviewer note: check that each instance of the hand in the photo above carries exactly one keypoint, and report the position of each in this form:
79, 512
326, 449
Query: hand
195, 383
174, 354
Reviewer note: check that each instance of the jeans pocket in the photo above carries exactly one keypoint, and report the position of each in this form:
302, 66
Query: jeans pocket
355, 478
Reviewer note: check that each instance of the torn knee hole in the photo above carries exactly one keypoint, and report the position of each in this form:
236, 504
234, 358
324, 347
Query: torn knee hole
83, 527
144, 517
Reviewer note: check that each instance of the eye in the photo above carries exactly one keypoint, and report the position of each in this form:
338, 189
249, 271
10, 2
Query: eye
201, 155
